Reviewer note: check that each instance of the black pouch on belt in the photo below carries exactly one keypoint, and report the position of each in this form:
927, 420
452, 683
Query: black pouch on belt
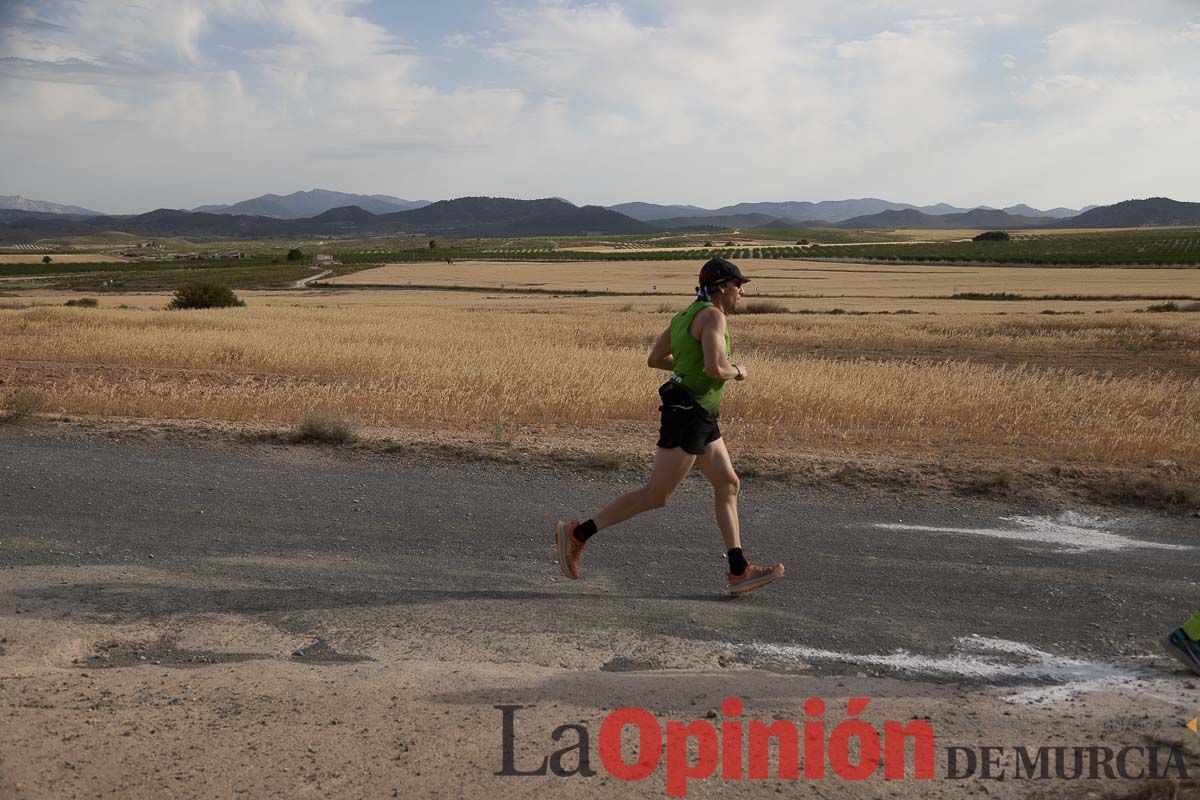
677, 397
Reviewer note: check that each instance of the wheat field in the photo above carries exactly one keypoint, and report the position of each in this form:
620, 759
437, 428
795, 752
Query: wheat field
784, 277
473, 368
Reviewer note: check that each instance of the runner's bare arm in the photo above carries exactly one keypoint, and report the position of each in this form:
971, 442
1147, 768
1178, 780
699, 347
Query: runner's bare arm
712, 339
660, 353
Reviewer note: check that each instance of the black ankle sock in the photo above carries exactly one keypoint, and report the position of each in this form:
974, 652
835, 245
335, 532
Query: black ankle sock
585, 531
737, 561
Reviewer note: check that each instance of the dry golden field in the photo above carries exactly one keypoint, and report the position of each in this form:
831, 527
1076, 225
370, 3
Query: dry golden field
777, 277
1115, 388
524, 301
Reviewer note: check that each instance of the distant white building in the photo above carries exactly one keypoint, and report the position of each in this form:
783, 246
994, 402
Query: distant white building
324, 260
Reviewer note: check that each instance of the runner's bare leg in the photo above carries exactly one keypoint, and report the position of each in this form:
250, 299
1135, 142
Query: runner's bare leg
671, 466
718, 468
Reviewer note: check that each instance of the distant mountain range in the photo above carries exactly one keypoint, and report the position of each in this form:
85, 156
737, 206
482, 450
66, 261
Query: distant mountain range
16, 202
826, 210
503, 217
301, 205
464, 217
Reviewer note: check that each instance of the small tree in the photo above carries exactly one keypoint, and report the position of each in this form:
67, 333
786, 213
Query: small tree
432, 244
46, 259
992, 236
295, 254
204, 294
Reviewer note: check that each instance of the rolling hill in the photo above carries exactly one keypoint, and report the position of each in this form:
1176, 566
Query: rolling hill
976, 218
499, 216
302, 205
1152, 211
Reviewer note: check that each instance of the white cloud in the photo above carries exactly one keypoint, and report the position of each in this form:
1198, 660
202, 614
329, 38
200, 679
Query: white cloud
697, 101
1104, 44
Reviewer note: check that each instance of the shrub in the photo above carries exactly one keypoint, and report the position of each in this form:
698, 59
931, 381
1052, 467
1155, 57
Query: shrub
1149, 492
324, 427
83, 302
1164, 307
204, 294
992, 236
992, 483
295, 254
762, 307
986, 296
46, 259
22, 405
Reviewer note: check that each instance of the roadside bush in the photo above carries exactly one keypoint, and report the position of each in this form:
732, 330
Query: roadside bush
46, 259
762, 307
324, 427
1149, 492
295, 254
992, 483
21, 405
204, 294
992, 236
1164, 307
83, 302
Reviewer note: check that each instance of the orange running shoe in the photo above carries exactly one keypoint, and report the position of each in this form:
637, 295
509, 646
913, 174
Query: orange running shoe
569, 548
753, 578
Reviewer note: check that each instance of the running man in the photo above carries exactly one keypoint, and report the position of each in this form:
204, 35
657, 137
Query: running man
695, 348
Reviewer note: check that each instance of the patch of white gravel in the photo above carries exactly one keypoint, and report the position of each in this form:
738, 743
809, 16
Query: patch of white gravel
1070, 532
989, 659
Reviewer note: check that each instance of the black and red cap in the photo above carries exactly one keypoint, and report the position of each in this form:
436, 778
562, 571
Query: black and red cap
720, 270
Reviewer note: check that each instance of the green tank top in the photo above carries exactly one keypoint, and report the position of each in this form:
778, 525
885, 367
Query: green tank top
689, 359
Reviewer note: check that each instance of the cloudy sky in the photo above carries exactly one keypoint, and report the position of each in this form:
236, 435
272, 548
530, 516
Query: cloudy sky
128, 106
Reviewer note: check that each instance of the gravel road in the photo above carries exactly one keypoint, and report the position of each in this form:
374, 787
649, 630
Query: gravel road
213, 618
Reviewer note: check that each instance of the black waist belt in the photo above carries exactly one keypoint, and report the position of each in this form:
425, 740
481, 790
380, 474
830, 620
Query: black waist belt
677, 397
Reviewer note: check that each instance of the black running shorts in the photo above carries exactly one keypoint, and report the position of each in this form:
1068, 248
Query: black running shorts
685, 423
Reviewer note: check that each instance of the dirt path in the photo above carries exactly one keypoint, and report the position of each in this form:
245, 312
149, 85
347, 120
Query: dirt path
304, 282
191, 618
